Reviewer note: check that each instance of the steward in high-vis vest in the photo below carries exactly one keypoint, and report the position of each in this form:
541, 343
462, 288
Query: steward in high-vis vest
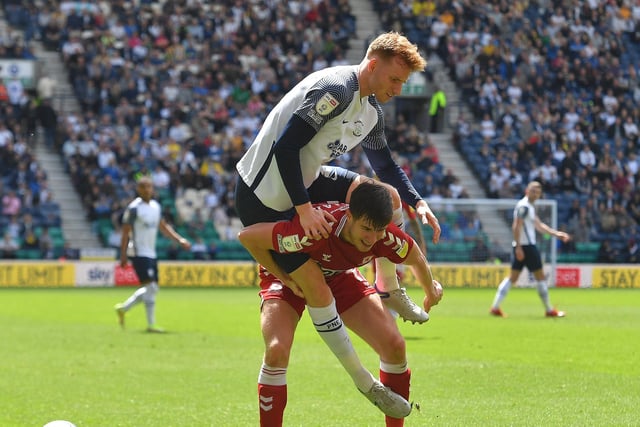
436, 110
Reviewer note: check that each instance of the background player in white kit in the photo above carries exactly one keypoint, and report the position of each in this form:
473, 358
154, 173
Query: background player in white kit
140, 224
525, 251
325, 115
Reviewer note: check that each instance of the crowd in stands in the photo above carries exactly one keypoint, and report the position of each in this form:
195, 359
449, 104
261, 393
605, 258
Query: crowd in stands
178, 89
554, 95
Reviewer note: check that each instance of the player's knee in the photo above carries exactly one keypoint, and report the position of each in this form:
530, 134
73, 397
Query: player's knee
277, 354
394, 350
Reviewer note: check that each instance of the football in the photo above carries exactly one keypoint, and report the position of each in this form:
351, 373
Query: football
59, 423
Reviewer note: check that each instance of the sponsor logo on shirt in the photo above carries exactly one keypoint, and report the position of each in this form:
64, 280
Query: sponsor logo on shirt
337, 149
326, 104
399, 245
291, 243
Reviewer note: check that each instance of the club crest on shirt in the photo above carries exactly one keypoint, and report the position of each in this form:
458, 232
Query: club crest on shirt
326, 104
358, 127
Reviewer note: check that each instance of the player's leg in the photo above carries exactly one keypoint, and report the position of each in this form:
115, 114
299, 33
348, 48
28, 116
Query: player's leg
505, 285
534, 264
337, 184
374, 324
136, 297
329, 325
279, 315
147, 272
309, 277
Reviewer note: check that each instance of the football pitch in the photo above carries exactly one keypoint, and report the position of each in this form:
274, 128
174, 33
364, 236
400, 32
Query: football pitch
63, 356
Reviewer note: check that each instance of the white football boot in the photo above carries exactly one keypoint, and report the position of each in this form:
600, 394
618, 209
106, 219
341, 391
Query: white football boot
388, 401
398, 301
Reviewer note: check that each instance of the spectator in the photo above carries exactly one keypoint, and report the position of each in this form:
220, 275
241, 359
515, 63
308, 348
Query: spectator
199, 249
607, 254
30, 240
582, 182
480, 251
632, 255
9, 246
49, 122
11, 204
46, 244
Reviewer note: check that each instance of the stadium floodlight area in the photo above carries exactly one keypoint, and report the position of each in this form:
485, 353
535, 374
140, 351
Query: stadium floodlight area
495, 217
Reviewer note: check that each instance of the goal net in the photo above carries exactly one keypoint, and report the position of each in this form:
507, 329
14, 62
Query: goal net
479, 231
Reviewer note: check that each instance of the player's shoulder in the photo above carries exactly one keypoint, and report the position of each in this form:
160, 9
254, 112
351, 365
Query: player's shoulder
340, 82
134, 203
333, 207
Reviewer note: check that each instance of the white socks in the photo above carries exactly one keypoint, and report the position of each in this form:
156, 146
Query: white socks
329, 325
386, 278
272, 376
147, 294
544, 293
502, 292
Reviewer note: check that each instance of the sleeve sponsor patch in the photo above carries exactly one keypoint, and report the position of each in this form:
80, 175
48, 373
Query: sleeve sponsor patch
290, 243
326, 104
403, 250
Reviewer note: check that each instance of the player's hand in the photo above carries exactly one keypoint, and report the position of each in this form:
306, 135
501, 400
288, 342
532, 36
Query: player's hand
428, 301
428, 217
185, 243
291, 284
519, 253
123, 263
316, 223
563, 236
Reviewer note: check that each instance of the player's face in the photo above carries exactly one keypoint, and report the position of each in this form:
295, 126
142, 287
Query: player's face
363, 235
534, 193
387, 78
145, 190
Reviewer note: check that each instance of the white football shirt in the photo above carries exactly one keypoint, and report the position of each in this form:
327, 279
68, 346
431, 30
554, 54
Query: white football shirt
527, 212
328, 100
144, 219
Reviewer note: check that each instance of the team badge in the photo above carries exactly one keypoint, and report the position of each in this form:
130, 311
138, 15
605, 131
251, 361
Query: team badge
358, 129
326, 104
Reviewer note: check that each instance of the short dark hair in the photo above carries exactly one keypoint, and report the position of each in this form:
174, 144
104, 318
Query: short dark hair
373, 202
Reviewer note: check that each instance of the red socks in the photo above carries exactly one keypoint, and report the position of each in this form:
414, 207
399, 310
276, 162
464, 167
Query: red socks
272, 401
400, 384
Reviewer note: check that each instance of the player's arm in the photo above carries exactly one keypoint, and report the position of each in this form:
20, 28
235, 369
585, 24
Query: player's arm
544, 228
318, 107
417, 230
516, 228
257, 239
124, 243
170, 232
379, 155
421, 269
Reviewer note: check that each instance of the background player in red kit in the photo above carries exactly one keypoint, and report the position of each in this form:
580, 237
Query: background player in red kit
361, 232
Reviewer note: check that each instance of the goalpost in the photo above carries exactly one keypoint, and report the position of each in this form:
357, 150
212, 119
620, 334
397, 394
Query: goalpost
495, 218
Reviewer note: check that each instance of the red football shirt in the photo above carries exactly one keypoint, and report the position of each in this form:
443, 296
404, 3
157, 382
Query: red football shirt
333, 254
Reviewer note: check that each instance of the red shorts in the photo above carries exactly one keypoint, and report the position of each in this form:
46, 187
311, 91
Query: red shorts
347, 288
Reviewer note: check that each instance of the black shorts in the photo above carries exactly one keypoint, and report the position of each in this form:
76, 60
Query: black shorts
331, 185
532, 259
146, 269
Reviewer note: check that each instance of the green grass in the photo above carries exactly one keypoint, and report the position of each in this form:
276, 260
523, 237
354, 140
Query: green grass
62, 356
